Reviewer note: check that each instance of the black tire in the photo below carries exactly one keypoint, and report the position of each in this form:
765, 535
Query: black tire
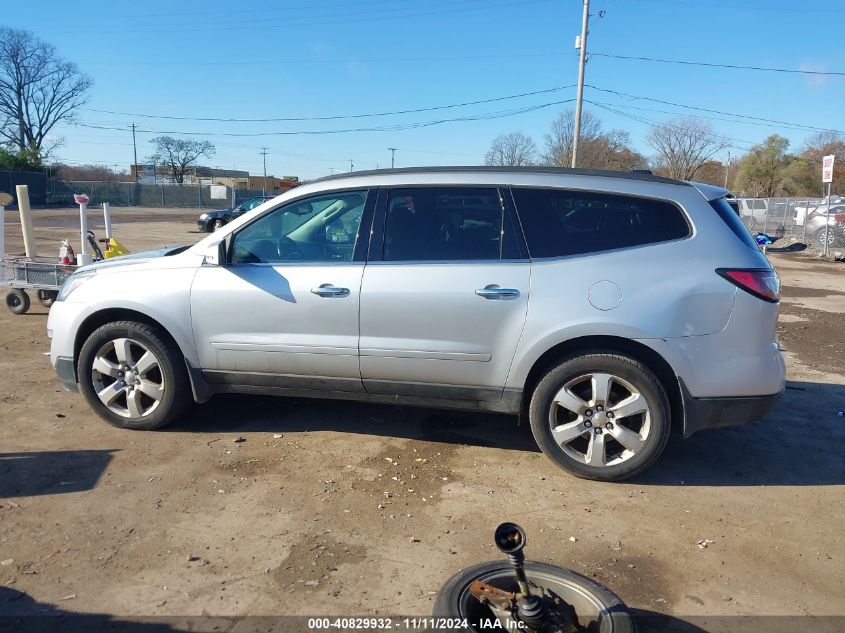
216, 225
47, 297
17, 301
614, 617
177, 394
625, 368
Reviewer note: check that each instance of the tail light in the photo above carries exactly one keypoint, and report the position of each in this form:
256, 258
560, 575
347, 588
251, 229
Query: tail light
763, 283
839, 218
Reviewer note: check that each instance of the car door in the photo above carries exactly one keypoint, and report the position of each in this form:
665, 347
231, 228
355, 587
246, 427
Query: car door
444, 294
283, 310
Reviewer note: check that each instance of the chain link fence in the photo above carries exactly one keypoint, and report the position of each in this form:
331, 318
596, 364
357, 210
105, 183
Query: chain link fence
795, 219
130, 194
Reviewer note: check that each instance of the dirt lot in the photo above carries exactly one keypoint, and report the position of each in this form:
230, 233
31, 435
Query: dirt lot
321, 519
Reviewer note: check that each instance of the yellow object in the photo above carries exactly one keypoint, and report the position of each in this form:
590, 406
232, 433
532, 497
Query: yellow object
115, 248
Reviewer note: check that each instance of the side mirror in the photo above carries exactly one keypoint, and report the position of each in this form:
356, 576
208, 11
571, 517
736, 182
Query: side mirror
215, 254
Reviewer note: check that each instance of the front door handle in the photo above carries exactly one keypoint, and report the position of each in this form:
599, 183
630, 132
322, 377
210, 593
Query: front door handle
328, 290
494, 292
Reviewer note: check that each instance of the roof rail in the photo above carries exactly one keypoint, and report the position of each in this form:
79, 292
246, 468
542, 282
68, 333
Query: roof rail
634, 174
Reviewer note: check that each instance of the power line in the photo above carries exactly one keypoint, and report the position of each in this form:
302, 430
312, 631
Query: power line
713, 65
712, 111
335, 117
386, 128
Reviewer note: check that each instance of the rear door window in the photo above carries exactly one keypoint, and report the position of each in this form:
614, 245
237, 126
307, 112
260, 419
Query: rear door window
560, 222
445, 224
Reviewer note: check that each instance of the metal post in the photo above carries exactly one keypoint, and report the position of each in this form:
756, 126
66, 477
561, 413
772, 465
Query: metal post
2, 230
392, 156
264, 156
580, 96
84, 256
785, 211
727, 169
135, 152
806, 214
107, 219
766, 218
827, 223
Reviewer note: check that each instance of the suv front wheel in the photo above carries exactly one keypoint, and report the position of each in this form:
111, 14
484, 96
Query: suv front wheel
133, 376
600, 416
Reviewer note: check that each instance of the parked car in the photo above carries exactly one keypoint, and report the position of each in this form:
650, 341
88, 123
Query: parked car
802, 208
604, 308
818, 219
211, 221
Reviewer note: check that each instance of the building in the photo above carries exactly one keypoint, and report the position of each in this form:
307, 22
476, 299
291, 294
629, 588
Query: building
274, 185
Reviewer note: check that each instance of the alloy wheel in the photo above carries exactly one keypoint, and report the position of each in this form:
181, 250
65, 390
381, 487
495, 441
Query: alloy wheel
127, 378
599, 419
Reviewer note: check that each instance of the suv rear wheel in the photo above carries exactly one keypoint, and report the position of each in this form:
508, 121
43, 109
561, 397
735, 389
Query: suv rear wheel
600, 416
133, 376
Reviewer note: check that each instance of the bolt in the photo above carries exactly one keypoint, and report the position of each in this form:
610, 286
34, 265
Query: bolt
599, 407
608, 426
120, 373
610, 415
588, 424
588, 412
598, 431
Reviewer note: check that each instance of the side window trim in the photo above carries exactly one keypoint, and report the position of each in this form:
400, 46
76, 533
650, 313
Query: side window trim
362, 238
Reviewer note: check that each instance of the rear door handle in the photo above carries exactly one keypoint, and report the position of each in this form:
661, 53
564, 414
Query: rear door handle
494, 292
327, 290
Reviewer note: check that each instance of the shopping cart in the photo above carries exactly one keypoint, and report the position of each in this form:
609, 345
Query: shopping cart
44, 277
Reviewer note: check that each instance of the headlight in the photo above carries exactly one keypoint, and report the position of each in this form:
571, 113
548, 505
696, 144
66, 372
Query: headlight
204, 216
73, 282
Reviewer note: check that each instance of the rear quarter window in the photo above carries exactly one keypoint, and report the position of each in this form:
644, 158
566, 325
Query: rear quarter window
723, 208
560, 222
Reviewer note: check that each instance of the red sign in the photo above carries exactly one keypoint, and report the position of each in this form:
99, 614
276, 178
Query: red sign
80, 198
827, 168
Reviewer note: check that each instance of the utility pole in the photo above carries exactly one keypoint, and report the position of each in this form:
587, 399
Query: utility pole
392, 156
581, 44
135, 152
351, 166
264, 157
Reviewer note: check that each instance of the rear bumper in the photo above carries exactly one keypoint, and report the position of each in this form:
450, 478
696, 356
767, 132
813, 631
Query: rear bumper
712, 413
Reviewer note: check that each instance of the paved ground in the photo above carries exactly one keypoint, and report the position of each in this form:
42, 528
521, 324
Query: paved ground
321, 519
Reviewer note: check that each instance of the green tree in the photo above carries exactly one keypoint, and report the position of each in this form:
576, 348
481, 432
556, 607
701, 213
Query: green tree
24, 160
768, 170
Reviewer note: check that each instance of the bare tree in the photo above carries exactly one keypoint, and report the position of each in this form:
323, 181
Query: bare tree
560, 137
514, 148
596, 148
37, 90
177, 154
683, 145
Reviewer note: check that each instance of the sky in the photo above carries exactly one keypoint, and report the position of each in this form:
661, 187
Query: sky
213, 59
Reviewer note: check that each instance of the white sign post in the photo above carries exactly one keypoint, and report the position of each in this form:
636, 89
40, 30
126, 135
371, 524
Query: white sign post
84, 256
5, 200
827, 177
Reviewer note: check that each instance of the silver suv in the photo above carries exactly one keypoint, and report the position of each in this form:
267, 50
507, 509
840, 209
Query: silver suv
605, 308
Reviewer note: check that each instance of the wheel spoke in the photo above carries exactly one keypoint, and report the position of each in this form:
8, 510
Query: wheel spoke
627, 438
133, 403
108, 395
569, 401
565, 433
122, 350
601, 388
631, 405
105, 367
595, 451
146, 363
151, 389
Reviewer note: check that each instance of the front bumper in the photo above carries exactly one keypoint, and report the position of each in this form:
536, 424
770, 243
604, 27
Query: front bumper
712, 413
202, 225
67, 374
